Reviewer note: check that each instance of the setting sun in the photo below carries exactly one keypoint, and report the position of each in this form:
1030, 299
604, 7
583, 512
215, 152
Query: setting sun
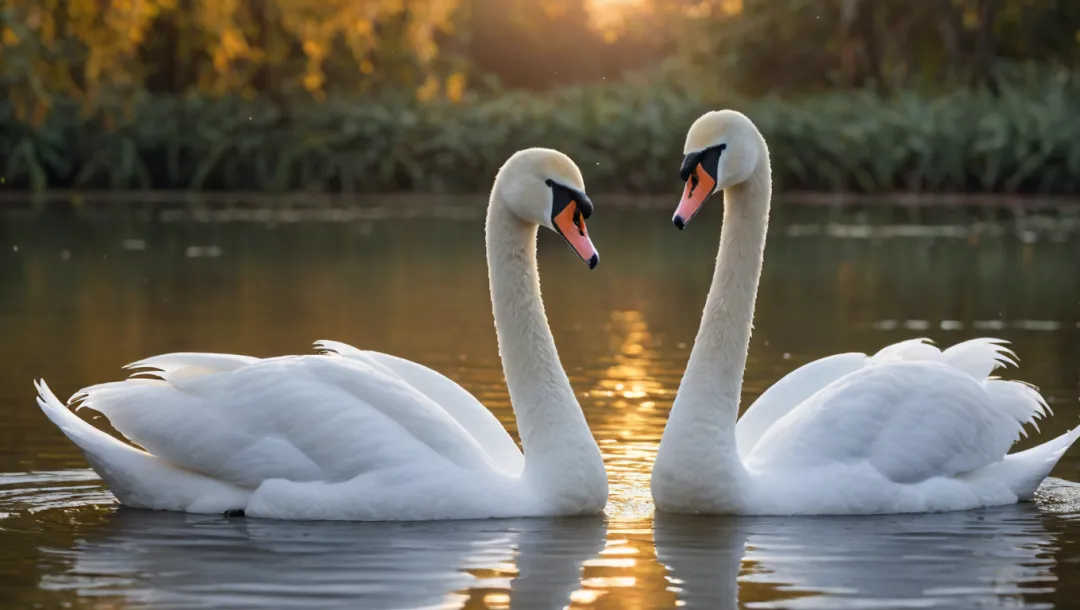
608, 4
609, 16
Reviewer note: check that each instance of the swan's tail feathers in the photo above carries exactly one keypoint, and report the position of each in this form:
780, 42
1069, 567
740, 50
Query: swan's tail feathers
95, 443
136, 478
1025, 471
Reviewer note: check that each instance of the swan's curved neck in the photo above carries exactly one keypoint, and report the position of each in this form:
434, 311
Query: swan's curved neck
698, 455
561, 456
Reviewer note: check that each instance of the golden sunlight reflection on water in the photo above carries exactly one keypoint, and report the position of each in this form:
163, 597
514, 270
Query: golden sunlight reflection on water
631, 394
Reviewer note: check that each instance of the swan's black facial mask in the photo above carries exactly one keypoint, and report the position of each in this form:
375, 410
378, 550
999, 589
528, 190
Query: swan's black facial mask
699, 172
569, 209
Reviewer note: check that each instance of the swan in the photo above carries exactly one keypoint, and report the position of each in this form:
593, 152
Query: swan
359, 435
910, 429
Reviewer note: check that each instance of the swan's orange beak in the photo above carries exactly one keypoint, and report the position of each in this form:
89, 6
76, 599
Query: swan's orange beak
569, 209
699, 170
570, 223
698, 188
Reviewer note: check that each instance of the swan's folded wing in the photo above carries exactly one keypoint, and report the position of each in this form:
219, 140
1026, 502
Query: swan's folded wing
454, 399
306, 418
910, 421
976, 357
786, 394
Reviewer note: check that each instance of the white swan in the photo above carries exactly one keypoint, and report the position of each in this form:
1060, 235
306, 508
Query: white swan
360, 435
911, 429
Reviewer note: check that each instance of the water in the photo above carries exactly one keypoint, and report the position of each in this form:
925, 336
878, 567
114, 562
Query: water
83, 293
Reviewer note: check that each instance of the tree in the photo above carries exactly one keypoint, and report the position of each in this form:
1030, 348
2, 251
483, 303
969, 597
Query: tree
105, 52
760, 46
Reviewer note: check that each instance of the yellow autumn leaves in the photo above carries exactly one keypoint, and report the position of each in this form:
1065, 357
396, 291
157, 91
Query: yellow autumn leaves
102, 52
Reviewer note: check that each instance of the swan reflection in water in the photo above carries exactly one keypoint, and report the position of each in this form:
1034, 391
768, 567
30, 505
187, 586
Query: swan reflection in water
984, 558
170, 560
1000, 557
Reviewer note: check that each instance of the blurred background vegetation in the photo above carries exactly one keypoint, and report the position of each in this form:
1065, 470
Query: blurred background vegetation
432, 95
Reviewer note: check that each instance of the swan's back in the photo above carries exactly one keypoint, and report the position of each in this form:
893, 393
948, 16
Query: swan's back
299, 418
908, 421
978, 358
481, 424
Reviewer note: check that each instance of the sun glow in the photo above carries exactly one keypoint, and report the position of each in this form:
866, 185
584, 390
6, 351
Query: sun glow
609, 4
609, 16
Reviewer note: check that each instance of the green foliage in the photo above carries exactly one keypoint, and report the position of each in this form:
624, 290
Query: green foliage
1023, 140
789, 46
626, 137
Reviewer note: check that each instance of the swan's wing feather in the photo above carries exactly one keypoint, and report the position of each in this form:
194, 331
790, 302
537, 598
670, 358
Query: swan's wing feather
454, 399
208, 362
786, 394
979, 357
305, 418
910, 421
976, 357
182, 365
911, 349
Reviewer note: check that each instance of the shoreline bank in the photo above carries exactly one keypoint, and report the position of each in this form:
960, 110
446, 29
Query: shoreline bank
422, 200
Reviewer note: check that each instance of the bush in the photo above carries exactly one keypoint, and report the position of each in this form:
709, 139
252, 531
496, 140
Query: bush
627, 137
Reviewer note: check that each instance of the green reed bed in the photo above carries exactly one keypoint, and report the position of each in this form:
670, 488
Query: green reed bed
626, 137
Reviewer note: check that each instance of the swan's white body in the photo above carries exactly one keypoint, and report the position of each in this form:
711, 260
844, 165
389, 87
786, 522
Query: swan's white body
911, 429
360, 435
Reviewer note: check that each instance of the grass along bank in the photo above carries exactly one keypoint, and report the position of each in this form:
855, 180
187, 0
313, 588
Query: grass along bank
626, 137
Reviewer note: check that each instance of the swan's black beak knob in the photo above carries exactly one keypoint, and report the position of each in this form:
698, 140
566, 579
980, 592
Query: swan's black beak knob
678, 222
593, 261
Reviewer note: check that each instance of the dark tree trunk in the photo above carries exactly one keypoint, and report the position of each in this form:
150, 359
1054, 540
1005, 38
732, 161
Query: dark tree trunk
985, 43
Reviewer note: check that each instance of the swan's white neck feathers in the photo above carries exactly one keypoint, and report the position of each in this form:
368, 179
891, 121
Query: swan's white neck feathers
562, 460
698, 462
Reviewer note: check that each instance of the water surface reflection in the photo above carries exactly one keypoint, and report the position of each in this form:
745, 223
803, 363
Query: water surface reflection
988, 558
185, 561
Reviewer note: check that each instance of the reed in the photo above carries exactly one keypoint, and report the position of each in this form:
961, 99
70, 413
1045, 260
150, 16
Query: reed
627, 137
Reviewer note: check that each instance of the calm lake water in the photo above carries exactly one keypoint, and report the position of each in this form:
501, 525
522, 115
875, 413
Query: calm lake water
82, 294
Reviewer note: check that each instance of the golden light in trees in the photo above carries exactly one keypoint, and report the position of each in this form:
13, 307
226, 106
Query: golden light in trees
98, 51
609, 16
